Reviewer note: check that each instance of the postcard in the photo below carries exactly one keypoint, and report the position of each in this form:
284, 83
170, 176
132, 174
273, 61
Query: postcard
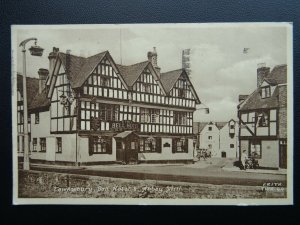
153, 114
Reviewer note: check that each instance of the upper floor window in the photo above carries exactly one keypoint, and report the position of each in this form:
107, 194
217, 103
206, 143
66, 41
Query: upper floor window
104, 81
149, 115
180, 118
37, 118
209, 137
145, 88
263, 120
210, 128
182, 93
265, 92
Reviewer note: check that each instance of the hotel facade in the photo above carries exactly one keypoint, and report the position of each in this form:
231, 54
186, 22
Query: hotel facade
94, 111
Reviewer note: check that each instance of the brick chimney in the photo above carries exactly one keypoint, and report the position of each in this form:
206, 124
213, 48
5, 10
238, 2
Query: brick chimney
262, 72
52, 57
43, 73
152, 57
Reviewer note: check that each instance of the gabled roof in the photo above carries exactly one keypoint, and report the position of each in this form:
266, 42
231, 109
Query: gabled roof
79, 67
254, 101
131, 73
220, 125
198, 126
169, 79
40, 101
32, 85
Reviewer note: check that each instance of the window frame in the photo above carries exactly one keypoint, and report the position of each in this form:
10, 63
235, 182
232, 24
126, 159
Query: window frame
184, 145
58, 145
95, 142
34, 144
257, 143
43, 144
156, 142
37, 118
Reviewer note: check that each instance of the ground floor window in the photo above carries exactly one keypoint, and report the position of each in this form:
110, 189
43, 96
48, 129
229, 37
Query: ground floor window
255, 149
34, 144
58, 145
150, 144
100, 145
180, 145
43, 145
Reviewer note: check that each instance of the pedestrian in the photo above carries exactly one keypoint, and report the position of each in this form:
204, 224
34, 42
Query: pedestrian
244, 158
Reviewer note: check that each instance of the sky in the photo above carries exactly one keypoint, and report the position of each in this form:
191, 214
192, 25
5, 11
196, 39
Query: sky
220, 69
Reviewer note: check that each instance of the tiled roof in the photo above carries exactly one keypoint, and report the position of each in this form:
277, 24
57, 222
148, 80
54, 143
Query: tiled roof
80, 68
278, 74
32, 87
169, 79
198, 126
220, 125
131, 73
40, 101
254, 101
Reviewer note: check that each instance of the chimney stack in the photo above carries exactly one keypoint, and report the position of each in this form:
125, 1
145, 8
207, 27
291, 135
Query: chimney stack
52, 57
43, 73
262, 72
152, 57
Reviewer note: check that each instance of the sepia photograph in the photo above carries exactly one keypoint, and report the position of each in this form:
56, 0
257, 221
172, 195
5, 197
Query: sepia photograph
158, 114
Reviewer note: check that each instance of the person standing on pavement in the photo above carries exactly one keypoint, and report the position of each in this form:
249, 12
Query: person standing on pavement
244, 157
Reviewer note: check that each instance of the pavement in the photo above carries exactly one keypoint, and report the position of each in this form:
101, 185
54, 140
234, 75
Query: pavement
211, 171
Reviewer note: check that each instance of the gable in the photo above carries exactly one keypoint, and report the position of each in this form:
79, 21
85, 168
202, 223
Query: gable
184, 88
105, 74
148, 82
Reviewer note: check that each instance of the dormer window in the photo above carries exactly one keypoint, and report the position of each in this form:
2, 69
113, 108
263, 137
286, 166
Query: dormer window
266, 92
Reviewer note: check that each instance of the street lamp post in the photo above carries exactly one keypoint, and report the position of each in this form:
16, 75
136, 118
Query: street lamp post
35, 51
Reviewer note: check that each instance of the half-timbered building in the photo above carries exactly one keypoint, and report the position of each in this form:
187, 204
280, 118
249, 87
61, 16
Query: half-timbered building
93, 110
263, 118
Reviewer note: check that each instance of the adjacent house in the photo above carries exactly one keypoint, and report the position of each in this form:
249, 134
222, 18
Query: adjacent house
32, 86
220, 138
263, 118
91, 110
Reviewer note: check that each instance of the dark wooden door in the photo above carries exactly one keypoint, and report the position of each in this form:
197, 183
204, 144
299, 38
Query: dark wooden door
283, 156
131, 144
120, 153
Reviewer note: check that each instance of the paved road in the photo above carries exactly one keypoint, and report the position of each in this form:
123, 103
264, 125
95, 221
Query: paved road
212, 174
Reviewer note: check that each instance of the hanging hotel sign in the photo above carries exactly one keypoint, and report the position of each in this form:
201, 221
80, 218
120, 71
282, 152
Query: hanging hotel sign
124, 125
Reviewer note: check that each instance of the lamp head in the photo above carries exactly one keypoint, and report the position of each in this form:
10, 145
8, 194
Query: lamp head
36, 50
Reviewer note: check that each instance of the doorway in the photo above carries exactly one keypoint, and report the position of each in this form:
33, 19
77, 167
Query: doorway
127, 147
283, 154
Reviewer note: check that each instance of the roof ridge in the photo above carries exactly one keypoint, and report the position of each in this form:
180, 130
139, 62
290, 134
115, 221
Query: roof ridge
172, 71
73, 55
106, 51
